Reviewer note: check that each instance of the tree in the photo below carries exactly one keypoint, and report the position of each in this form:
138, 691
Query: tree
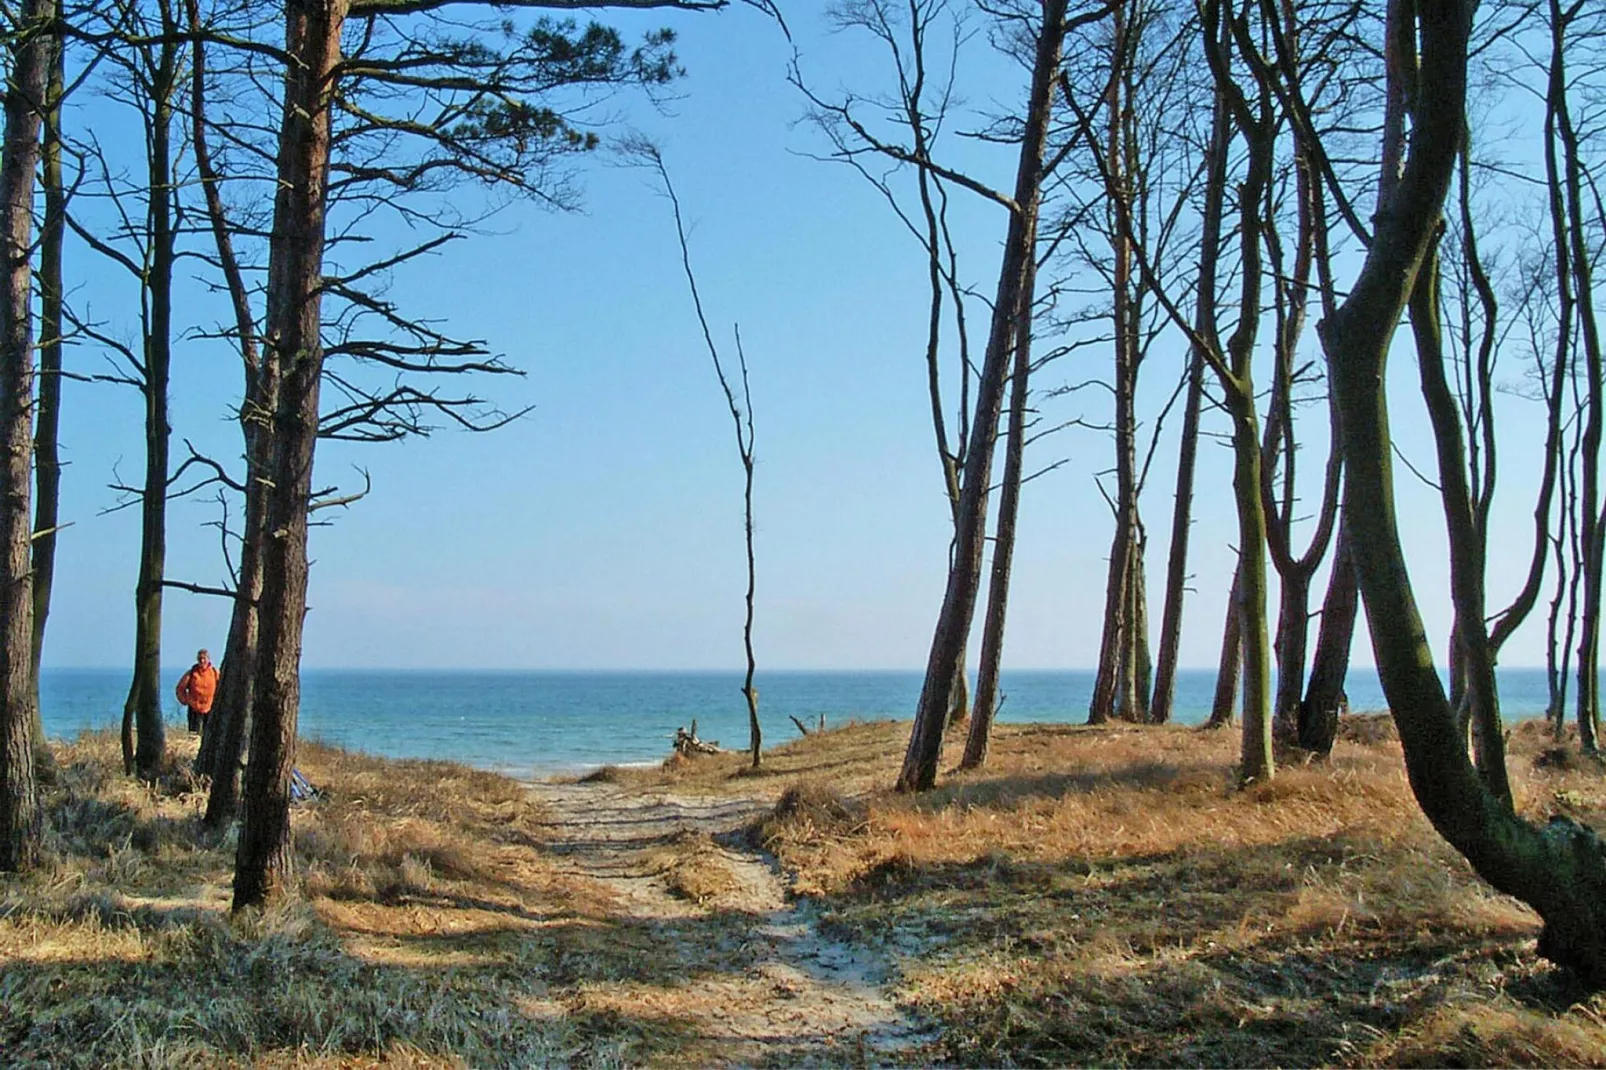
25, 105
919, 771
742, 416
921, 106
293, 350
47, 415
1560, 870
146, 249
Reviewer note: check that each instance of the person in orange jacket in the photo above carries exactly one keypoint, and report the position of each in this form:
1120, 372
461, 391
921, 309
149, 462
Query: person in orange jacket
196, 688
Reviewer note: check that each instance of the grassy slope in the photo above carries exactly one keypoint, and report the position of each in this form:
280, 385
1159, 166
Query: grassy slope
1104, 896
1095, 896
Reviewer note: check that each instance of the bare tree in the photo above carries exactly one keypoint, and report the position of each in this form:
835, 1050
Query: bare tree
741, 415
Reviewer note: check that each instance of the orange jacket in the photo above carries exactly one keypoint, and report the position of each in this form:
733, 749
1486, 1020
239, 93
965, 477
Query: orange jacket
196, 688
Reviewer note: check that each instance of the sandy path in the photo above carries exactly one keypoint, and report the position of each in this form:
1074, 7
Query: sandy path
789, 993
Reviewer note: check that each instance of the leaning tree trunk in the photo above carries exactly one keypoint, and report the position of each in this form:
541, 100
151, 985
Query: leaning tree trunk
919, 770
293, 364
1559, 870
47, 417
20, 821
1324, 696
992, 638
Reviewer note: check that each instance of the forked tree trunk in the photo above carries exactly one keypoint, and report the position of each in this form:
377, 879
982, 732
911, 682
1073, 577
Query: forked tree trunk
47, 417
20, 820
919, 771
1559, 870
292, 366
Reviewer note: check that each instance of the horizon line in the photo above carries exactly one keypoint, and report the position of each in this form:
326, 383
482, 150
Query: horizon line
645, 669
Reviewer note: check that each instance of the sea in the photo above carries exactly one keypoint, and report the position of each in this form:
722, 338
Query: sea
532, 724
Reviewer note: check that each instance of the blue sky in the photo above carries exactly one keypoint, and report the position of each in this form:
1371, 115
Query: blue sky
603, 530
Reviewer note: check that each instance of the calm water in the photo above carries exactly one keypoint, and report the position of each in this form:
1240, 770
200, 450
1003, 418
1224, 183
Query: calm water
533, 723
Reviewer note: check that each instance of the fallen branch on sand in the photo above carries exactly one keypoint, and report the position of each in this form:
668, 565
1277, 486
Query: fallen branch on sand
687, 745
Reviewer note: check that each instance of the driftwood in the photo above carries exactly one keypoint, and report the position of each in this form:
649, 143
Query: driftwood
801, 727
687, 745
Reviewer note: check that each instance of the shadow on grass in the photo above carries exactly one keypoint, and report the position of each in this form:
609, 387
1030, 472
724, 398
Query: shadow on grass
1196, 958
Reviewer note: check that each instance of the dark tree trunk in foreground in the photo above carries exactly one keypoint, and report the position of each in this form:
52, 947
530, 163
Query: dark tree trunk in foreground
919, 770
292, 366
1560, 870
1324, 696
47, 415
25, 99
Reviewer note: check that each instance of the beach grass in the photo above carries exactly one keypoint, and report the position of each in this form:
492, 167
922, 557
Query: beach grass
1095, 896
1106, 896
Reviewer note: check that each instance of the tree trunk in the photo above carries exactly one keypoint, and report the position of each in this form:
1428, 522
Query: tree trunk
1293, 627
1114, 690
225, 732
1578, 252
292, 366
1472, 665
1106, 681
144, 703
47, 416
1256, 764
919, 770
1176, 574
755, 732
959, 700
1137, 666
1324, 697
992, 638
20, 819
1559, 870
1229, 667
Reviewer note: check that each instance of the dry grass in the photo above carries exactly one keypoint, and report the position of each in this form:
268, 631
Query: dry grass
427, 916
1095, 896
693, 867
1106, 896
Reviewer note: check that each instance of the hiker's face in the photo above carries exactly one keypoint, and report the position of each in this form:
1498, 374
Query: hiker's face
203, 659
